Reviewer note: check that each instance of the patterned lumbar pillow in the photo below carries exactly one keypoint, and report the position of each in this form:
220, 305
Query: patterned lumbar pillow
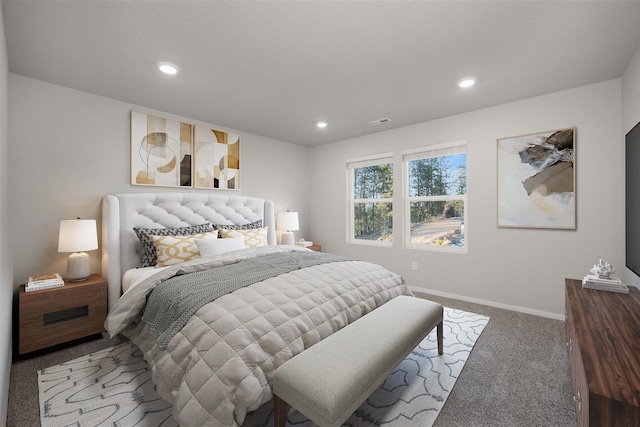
176, 249
252, 238
149, 258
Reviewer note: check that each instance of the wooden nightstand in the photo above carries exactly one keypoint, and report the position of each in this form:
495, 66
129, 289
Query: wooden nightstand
316, 248
55, 316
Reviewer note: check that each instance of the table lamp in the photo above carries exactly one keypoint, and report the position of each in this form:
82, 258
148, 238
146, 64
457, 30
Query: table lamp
288, 223
78, 235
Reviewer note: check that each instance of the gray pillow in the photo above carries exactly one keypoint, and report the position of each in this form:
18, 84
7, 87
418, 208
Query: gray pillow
250, 226
149, 255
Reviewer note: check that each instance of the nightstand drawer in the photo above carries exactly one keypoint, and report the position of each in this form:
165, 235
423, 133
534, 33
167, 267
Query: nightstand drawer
55, 316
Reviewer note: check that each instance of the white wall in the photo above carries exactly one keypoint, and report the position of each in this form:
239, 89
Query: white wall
630, 117
6, 275
514, 267
69, 148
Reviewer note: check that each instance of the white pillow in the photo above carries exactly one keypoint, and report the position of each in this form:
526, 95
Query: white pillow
211, 247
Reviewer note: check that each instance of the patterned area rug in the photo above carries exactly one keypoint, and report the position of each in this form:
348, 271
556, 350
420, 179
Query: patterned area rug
114, 387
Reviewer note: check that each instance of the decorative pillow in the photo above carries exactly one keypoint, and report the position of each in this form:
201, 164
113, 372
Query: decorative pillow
252, 238
211, 247
149, 258
176, 249
250, 226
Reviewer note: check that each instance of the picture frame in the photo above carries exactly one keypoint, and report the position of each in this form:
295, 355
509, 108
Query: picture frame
161, 151
537, 181
216, 159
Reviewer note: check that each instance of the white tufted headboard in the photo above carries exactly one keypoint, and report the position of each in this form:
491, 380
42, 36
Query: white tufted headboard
121, 212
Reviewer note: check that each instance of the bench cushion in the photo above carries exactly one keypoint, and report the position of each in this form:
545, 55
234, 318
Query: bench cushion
331, 379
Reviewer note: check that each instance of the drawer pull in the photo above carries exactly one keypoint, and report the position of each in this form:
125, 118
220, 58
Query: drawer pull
578, 399
65, 315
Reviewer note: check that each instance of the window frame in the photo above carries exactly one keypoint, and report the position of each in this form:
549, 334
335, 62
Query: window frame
355, 163
426, 152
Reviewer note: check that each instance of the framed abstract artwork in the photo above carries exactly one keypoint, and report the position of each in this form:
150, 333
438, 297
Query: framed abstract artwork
160, 151
537, 180
216, 159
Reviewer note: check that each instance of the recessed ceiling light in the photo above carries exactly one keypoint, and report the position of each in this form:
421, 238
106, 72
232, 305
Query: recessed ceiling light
467, 82
168, 68
321, 125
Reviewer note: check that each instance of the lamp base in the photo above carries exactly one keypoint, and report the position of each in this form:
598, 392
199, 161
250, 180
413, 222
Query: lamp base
78, 267
287, 238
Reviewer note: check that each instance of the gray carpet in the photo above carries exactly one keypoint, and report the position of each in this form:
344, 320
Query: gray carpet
516, 375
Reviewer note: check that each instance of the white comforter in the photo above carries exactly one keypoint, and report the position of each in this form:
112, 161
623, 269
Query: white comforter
221, 364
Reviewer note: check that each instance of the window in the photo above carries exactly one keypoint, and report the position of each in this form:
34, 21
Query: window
371, 200
436, 197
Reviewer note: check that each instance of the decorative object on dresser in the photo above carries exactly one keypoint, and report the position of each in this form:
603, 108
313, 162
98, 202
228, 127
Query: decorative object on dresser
601, 279
78, 235
603, 269
54, 316
603, 330
46, 281
288, 223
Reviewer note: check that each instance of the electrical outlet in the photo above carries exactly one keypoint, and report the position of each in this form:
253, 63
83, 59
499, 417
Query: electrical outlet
414, 265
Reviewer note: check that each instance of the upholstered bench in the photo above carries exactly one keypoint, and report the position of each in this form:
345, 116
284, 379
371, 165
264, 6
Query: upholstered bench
330, 380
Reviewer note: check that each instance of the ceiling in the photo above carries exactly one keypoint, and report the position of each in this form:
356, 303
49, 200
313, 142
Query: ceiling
275, 68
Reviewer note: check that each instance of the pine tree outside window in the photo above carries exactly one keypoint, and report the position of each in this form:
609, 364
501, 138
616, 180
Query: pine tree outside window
371, 200
436, 197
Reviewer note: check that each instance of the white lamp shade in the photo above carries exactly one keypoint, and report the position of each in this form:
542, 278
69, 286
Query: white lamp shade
288, 221
77, 235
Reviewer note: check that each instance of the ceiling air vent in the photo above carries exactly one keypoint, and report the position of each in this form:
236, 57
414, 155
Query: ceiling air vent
379, 121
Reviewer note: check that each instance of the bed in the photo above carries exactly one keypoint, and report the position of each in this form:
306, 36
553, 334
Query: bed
215, 327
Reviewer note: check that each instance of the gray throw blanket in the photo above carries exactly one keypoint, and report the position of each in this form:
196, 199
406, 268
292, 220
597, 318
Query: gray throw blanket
174, 301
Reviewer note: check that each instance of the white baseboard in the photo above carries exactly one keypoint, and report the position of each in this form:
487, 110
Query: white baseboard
490, 303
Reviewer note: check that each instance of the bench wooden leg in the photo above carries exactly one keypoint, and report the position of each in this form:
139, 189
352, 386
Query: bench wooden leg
440, 337
279, 412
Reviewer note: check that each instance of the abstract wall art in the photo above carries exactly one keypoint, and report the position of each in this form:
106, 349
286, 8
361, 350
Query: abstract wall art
160, 151
216, 159
536, 180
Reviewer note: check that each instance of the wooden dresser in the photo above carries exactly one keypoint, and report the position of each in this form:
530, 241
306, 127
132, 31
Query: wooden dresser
54, 316
603, 339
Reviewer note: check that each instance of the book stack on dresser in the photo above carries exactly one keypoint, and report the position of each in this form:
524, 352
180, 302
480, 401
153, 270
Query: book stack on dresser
47, 281
611, 284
